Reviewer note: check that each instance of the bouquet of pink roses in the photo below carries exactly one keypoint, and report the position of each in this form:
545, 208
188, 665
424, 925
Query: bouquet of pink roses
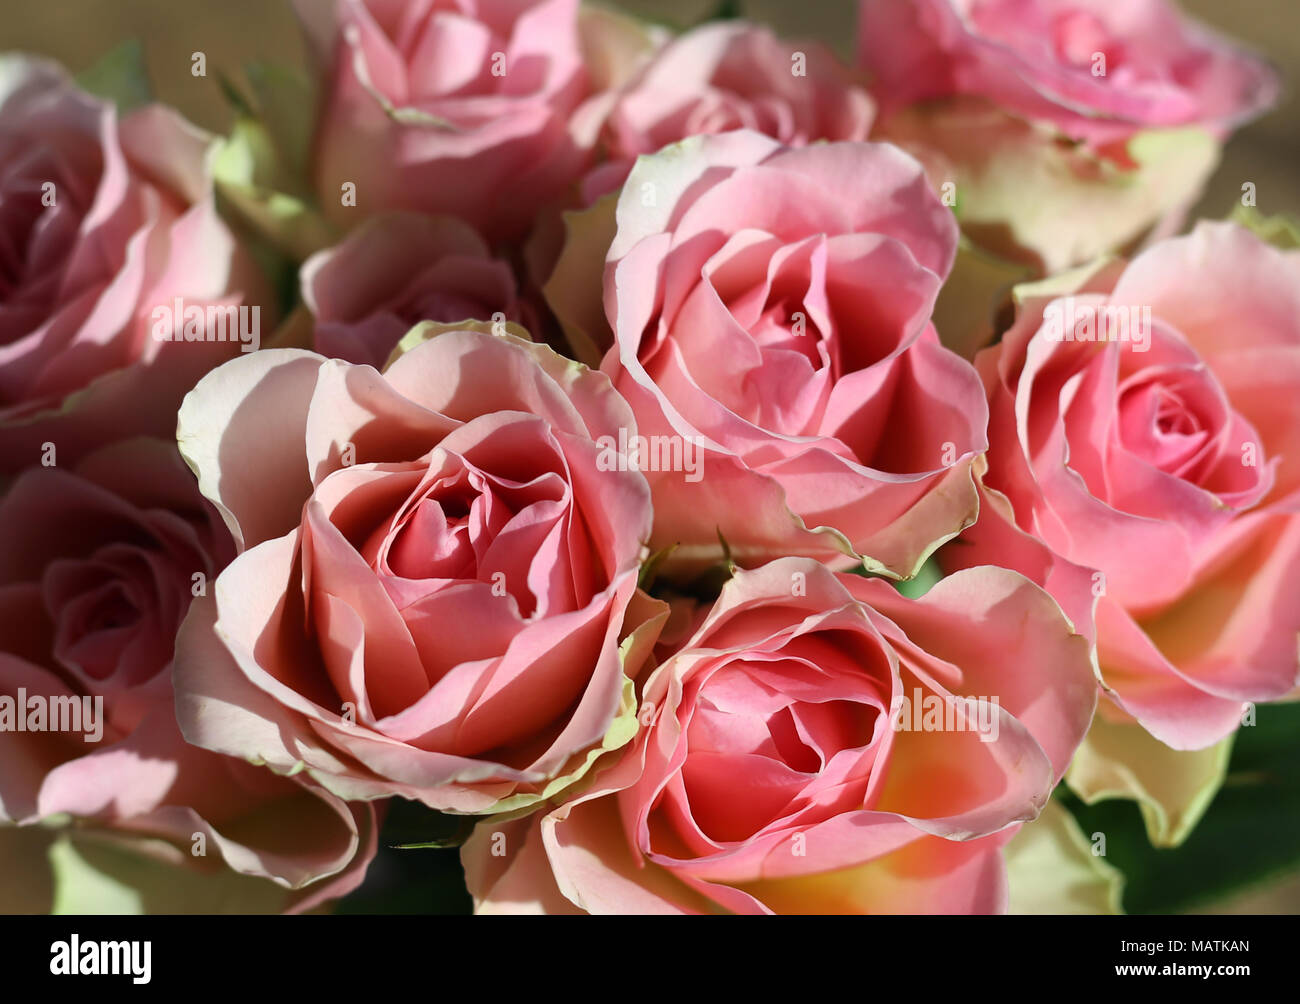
649, 471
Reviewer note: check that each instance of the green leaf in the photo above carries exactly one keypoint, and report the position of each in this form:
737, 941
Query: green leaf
120, 77
650, 568
285, 103
920, 583
261, 168
1280, 231
1249, 836
252, 181
726, 552
457, 831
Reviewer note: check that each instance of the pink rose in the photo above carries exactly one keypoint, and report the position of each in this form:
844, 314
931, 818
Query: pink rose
98, 565
1095, 70
104, 222
393, 272
821, 745
724, 76
1145, 459
1059, 130
771, 309
438, 568
452, 108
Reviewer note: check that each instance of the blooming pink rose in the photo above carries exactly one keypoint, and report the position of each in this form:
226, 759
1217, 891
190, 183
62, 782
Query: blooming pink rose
1059, 130
454, 107
437, 570
102, 222
821, 745
730, 75
1145, 459
397, 270
98, 565
1095, 70
771, 312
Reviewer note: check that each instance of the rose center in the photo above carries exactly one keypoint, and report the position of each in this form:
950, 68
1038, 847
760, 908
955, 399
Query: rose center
1080, 37
1163, 423
434, 539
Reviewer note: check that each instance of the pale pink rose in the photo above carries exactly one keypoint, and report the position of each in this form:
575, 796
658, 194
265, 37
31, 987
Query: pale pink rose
821, 745
1150, 478
98, 564
771, 309
438, 567
453, 107
724, 76
397, 270
1094, 70
102, 221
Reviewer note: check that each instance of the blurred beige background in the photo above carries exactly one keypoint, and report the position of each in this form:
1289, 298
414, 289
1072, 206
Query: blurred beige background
234, 32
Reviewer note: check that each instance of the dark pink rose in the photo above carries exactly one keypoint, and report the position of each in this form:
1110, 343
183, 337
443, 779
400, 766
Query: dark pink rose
455, 108
99, 564
395, 271
103, 222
